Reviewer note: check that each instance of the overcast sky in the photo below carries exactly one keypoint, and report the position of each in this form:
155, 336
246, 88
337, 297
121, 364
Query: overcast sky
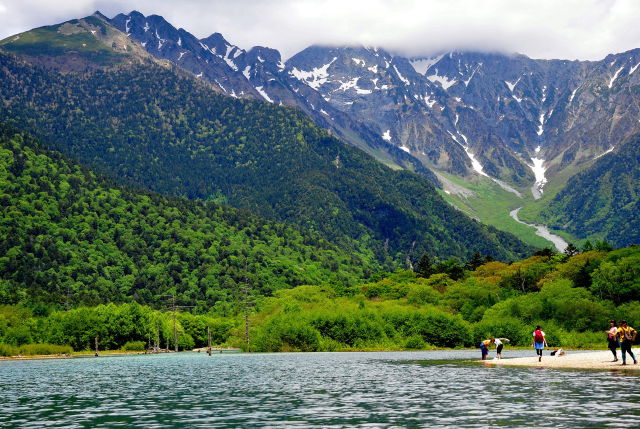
568, 29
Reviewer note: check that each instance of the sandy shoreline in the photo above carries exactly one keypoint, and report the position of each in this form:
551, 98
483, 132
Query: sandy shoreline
571, 360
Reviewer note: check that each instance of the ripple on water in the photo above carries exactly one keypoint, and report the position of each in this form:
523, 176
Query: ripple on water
308, 390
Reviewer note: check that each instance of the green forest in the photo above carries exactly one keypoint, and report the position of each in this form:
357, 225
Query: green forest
151, 127
442, 305
70, 238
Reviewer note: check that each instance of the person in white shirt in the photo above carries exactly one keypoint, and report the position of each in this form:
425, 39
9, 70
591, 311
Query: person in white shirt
612, 339
498, 342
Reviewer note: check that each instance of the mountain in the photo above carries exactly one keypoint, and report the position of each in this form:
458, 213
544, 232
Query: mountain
258, 73
70, 237
603, 200
505, 112
150, 124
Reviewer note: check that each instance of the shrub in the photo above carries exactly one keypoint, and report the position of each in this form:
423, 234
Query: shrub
414, 342
287, 333
433, 326
134, 346
515, 330
7, 350
350, 328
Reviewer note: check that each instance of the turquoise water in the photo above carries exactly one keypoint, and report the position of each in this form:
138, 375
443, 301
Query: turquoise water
391, 389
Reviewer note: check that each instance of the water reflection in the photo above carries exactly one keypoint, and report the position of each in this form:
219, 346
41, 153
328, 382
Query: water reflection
400, 389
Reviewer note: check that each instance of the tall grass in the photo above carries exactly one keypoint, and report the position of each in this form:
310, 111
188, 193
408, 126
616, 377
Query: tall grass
7, 350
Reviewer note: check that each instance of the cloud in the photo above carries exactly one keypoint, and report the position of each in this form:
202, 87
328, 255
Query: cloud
570, 29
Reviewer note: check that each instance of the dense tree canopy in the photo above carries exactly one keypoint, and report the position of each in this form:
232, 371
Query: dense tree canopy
70, 238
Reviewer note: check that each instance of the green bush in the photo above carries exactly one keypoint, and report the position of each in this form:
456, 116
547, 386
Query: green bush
414, 342
7, 350
17, 336
287, 332
434, 326
582, 340
515, 330
349, 328
134, 346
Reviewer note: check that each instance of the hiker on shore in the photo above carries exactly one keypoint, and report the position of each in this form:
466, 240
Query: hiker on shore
627, 336
484, 347
498, 342
539, 341
612, 339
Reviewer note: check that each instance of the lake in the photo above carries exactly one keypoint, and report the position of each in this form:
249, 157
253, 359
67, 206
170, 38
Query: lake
377, 389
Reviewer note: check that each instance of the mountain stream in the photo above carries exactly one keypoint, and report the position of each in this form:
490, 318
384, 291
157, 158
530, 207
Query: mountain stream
542, 231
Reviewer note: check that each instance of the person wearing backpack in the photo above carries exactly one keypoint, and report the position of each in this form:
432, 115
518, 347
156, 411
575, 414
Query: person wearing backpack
539, 341
627, 337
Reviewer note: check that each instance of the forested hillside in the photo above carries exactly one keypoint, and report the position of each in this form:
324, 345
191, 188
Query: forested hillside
148, 125
604, 200
70, 238
572, 297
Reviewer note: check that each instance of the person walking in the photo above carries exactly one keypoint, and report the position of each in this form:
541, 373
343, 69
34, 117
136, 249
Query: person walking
612, 339
539, 341
484, 347
499, 344
627, 337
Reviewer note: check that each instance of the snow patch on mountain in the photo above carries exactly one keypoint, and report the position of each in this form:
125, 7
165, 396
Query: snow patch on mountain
422, 65
402, 78
442, 80
512, 85
573, 94
475, 164
264, 94
315, 77
538, 169
541, 125
632, 69
428, 101
615, 76
387, 135
466, 82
